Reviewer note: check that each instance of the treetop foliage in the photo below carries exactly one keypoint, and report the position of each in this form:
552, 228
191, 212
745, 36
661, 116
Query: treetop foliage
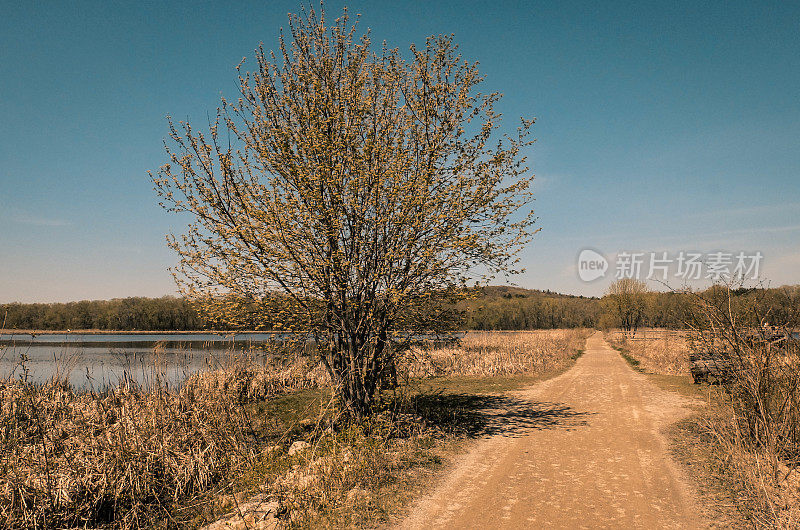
362, 188
120, 314
346, 173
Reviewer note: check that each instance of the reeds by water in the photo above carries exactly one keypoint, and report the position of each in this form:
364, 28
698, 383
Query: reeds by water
135, 456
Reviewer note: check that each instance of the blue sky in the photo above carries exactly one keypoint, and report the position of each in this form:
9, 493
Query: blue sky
662, 126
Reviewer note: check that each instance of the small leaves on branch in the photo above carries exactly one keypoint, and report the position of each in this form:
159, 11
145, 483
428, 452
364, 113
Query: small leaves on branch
360, 189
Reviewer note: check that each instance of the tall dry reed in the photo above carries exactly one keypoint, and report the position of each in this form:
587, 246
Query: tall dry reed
132, 455
488, 353
664, 352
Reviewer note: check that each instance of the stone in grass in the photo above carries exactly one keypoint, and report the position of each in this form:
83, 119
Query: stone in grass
357, 496
259, 513
298, 447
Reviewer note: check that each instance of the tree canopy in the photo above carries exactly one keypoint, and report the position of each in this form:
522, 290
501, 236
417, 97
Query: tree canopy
626, 303
359, 187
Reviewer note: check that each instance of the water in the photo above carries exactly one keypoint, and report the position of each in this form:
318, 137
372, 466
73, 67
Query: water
136, 338
98, 361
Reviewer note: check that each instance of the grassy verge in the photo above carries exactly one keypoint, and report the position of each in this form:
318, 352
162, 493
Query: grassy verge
680, 384
732, 480
632, 361
741, 484
700, 456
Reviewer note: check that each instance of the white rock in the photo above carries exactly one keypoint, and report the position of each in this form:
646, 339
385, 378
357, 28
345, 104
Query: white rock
259, 513
298, 446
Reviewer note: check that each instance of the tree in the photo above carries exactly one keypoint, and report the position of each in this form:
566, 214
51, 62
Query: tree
346, 193
625, 302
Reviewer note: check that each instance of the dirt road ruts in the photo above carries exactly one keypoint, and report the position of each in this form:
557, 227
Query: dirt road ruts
582, 450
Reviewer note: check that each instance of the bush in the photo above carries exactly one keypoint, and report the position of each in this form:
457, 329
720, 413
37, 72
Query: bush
755, 426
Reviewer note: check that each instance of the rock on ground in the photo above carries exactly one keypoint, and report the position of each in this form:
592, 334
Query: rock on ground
298, 446
258, 513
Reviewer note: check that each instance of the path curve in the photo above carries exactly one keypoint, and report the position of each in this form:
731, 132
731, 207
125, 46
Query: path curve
582, 450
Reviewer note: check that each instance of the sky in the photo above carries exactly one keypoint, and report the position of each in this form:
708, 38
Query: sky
661, 127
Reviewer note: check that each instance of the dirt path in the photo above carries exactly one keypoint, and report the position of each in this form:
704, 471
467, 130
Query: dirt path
582, 450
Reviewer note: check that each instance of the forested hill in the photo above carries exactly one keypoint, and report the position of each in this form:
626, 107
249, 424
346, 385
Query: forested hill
510, 291
494, 308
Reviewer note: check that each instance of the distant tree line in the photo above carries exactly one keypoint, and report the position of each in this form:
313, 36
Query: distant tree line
145, 314
512, 308
493, 308
628, 304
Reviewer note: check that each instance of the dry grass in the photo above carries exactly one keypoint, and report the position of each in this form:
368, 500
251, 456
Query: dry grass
767, 491
130, 456
125, 456
665, 353
245, 384
134, 457
752, 432
494, 353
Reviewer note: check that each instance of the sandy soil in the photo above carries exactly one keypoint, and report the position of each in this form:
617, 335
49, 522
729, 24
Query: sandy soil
583, 450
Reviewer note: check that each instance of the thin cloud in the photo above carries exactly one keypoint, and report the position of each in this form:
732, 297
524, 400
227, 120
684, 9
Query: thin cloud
767, 229
545, 181
33, 220
683, 237
746, 210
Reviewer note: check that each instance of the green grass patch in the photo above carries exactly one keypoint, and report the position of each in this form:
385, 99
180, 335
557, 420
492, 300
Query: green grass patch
479, 385
288, 416
632, 361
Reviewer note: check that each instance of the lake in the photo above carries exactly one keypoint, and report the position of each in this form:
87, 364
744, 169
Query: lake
106, 338
97, 361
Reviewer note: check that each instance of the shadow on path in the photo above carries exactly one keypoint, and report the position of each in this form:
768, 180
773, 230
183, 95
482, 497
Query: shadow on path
479, 415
